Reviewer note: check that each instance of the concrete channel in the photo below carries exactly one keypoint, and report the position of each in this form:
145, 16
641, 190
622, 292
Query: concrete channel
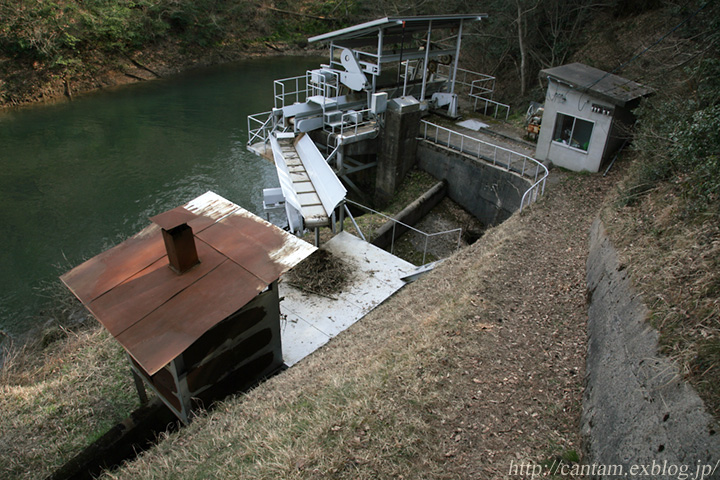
637, 410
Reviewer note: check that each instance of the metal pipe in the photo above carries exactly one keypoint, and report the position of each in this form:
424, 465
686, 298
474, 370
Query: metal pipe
425, 249
352, 219
380, 47
392, 238
407, 63
457, 57
425, 64
340, 155
342, 217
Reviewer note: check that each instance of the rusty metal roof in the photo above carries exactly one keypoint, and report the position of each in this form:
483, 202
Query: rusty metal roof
155, 313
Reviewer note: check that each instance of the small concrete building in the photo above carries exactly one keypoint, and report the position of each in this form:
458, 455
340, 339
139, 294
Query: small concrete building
587, 116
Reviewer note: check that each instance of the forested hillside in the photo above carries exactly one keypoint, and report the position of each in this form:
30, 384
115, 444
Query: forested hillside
55, 48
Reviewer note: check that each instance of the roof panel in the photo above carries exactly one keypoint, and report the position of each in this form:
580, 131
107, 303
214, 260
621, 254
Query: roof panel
615, 89
109, 269
149, 289
162, 335
173, 218
244, 250
388, 23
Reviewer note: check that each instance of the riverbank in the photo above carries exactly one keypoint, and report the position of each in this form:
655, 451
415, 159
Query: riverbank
69, 47
42, 88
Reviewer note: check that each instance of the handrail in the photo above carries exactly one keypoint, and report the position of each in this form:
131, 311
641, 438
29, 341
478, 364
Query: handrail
318, 83
349, 121
480, 87
263, 131
488, 102
472, 146
398, 222
298, 92
465, 78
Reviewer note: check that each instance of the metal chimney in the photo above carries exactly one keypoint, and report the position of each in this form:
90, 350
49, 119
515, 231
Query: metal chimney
180, 246
179, 239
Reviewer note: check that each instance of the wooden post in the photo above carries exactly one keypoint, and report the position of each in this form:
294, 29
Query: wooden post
140, 387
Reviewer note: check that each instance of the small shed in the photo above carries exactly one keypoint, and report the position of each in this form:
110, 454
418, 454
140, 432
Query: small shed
193, 299
588, 115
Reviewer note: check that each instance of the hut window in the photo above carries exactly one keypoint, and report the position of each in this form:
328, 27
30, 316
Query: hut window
572, 131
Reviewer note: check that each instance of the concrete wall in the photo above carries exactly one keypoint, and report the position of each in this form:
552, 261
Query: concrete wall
490, 193
410, 215
637, 410
397, 151
561, 98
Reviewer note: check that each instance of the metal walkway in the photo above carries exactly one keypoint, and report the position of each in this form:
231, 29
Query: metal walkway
311, 189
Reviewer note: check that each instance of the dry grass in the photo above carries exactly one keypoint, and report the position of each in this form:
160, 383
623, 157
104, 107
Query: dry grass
56, 398
675, 264
477, 364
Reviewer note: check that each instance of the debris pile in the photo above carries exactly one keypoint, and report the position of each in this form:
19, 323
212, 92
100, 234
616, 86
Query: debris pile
321, 273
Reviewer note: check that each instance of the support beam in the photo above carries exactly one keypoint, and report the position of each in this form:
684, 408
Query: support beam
140, 387
425, 64
457, 57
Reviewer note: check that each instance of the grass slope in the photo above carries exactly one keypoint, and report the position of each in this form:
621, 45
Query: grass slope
476, 365
54, 401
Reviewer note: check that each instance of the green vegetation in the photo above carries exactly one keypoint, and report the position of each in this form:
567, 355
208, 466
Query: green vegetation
46, 42
678, 141
60, 32
666, 212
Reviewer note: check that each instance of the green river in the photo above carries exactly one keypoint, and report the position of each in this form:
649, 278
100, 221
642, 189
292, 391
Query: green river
78, 177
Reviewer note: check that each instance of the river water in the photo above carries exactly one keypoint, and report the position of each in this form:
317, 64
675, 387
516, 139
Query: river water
79, 177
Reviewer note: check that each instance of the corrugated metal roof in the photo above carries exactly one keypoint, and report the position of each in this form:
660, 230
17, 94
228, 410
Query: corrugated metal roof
612, 88
395, 25
155, 313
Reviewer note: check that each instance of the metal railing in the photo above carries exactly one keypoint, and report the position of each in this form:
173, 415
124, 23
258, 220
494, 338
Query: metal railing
396, 223
478, 86
287, 91
483, 86
322, 82
490, 105
260, 125
526, 167
475, 82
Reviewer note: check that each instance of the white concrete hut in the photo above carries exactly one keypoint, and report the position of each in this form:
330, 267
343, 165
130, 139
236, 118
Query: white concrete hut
587, 116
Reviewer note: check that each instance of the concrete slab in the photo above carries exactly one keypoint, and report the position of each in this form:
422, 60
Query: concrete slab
312, 320
473, 124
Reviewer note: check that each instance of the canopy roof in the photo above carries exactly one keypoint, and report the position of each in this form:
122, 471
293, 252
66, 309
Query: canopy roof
394, 25
156, 313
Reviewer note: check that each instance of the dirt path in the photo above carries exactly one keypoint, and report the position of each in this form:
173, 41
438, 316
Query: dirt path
521, 358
